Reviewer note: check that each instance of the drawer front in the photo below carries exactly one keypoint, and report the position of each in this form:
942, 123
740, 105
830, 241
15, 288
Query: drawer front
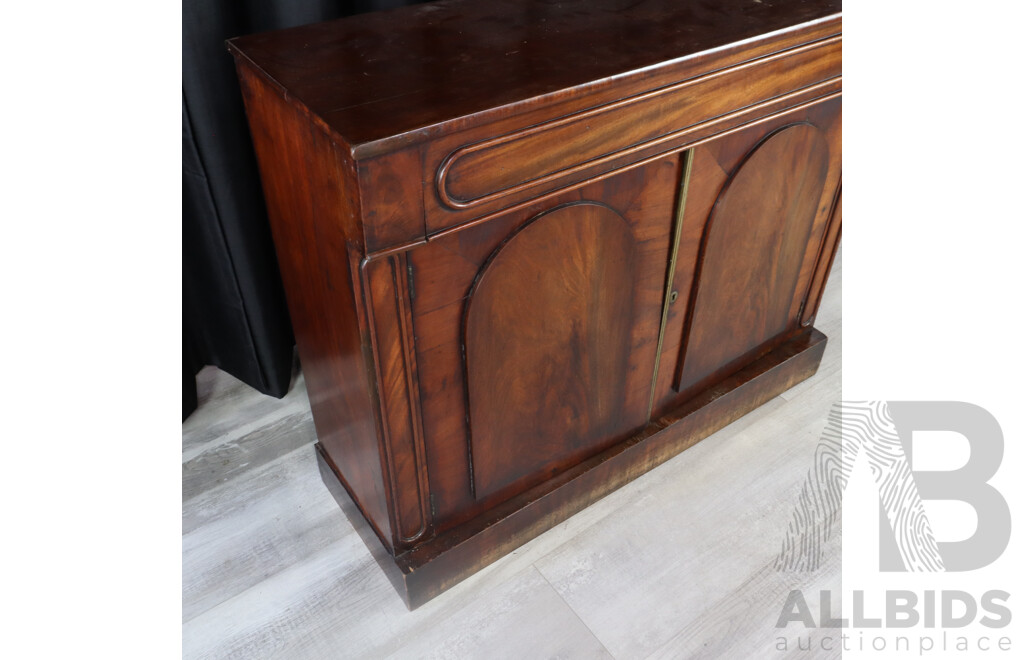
479, 174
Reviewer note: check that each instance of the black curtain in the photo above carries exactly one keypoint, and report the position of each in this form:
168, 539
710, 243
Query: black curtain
233, 309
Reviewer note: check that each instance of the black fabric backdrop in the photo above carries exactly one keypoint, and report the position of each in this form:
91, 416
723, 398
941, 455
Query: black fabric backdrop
233, 308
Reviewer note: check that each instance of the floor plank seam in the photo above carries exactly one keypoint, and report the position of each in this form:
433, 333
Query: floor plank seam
570, 607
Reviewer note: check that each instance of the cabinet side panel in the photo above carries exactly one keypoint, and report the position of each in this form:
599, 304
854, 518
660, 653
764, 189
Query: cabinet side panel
310, 189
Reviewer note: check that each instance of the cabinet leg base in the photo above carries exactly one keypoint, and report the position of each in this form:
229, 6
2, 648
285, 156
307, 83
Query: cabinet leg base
438, 564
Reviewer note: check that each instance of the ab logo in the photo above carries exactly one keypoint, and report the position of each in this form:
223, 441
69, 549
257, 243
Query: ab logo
882, 432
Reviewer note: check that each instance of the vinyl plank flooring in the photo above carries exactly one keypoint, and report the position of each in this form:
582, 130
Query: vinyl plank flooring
337, 604
482, 630
240, 534
741, 624
229, 410
275, 436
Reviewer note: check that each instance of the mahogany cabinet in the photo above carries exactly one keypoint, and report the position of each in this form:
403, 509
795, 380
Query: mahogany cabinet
533, 249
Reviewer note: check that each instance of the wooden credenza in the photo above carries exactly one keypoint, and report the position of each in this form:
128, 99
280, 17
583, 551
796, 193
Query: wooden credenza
533, 249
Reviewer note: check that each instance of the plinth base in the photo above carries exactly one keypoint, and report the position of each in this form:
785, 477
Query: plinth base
448, 558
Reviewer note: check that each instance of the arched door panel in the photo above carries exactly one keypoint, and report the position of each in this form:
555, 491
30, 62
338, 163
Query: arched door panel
745, 293
547, 345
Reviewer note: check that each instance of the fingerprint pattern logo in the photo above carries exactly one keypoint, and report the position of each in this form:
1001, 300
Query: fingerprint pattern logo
852, 428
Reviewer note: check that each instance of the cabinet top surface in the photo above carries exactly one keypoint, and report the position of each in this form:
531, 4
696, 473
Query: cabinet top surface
375, 76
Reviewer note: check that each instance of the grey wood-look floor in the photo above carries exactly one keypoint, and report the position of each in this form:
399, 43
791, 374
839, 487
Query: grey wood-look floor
677, 564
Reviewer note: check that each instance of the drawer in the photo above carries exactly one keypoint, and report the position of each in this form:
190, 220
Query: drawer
477, 174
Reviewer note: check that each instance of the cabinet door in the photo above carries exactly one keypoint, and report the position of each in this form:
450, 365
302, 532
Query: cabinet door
536, 335
755, 231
